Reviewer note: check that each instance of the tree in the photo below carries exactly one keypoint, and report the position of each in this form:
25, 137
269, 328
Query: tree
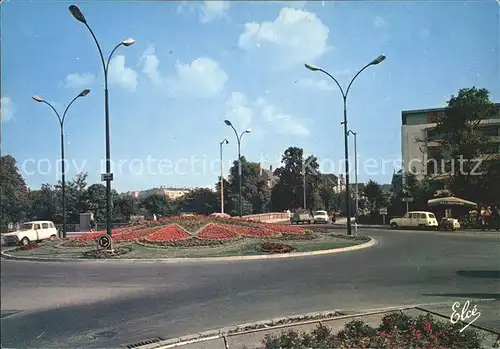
158, 204
460, 143
13, 192
254, 189
76, 199
42, 203
374, 195
228, 203
96, 201
288, 193
126, 206
201, 201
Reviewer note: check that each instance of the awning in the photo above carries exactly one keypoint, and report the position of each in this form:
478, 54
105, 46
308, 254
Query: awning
451, 201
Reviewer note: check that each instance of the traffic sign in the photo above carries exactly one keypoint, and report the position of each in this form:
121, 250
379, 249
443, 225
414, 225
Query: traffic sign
383, 211
104, 241
408, 199
106, 177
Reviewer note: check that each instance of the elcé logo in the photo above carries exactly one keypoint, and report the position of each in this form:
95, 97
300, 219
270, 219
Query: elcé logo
463, 313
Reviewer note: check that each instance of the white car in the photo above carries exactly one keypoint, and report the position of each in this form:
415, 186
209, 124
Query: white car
321, 217
31, 232
415, 219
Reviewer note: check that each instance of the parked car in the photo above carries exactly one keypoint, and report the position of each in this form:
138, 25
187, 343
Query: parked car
321, 217
301, 217
449, 224
415, 219
31, 231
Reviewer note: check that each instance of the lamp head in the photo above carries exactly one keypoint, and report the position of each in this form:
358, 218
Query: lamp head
75, 11
228, 123
37, 99
128, 42
248, 130
84, 93
311, 67
378, 60
226, 141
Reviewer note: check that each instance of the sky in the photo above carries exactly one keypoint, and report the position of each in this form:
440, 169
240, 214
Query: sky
195, 64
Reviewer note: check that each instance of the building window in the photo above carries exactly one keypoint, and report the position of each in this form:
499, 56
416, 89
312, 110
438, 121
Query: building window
491, 131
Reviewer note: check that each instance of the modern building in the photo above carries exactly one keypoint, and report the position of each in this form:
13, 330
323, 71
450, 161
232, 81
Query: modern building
419, 126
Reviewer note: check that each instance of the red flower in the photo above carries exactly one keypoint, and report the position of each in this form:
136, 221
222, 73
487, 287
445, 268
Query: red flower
213, 231
170, 233
250, 232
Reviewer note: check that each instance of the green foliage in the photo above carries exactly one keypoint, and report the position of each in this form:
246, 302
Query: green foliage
13, 192
201, 201
159, 205
374, 195
395, 331
126, 206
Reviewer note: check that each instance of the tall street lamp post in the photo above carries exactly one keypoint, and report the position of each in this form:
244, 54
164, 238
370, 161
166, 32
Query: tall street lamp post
225, 141
376, 61
238, 139
108, 176
63, 170
355, 176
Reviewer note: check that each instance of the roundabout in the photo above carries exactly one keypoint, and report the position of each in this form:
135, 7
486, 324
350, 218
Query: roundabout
194, 238
95, 305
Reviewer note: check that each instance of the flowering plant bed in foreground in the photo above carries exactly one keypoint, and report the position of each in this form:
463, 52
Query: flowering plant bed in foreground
274, 247
395, 331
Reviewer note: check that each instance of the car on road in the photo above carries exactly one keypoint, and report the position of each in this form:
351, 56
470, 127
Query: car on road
321, 217
301, 217
31, 232
415, 219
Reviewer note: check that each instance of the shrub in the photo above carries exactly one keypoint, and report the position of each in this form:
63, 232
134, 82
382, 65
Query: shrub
29, 246
395, 331
274, 247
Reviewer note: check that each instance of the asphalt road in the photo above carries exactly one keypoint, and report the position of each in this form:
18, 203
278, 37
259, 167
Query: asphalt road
105, 305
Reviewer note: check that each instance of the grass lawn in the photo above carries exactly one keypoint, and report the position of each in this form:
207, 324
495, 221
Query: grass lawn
245, 247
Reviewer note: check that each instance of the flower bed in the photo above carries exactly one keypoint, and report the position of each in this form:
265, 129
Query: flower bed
169, 233
274, 247
29, 246
307, 235
214, 231
251, 232
282, 228
134, 235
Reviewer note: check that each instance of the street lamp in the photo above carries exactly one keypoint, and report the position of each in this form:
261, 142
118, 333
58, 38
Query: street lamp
63, 172
225, 141
238, 139
376, 61
355, 175
108, 176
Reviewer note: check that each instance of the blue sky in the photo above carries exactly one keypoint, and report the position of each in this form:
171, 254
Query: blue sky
195, 64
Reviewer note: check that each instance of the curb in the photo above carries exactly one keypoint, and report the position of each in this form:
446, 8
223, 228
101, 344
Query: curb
368, 244
280, 323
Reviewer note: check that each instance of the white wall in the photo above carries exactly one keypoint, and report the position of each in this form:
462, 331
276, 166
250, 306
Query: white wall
413, 153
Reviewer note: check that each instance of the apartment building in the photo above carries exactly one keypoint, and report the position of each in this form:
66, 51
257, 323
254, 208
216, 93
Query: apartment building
420, 125
171, 193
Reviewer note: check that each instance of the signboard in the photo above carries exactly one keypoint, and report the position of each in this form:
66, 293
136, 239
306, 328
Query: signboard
104, 241
383, 211
408, 199
106, 177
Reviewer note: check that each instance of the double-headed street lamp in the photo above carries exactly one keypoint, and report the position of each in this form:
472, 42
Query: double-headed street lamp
225, 141
355, 175
63, 171
238, 139
108, 176
376, 61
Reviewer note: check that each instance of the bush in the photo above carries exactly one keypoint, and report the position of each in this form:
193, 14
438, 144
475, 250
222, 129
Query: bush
274, 247
395, 331
29, 246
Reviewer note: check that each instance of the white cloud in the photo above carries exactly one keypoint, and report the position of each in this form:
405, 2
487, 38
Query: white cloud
379, 22
212, 10
202, 78
283, 123
6, 109
316, 84
121, 75
150, 65
239, 111
295, 37
76, 80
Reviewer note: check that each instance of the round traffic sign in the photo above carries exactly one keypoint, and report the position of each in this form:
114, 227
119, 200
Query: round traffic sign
104, 241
